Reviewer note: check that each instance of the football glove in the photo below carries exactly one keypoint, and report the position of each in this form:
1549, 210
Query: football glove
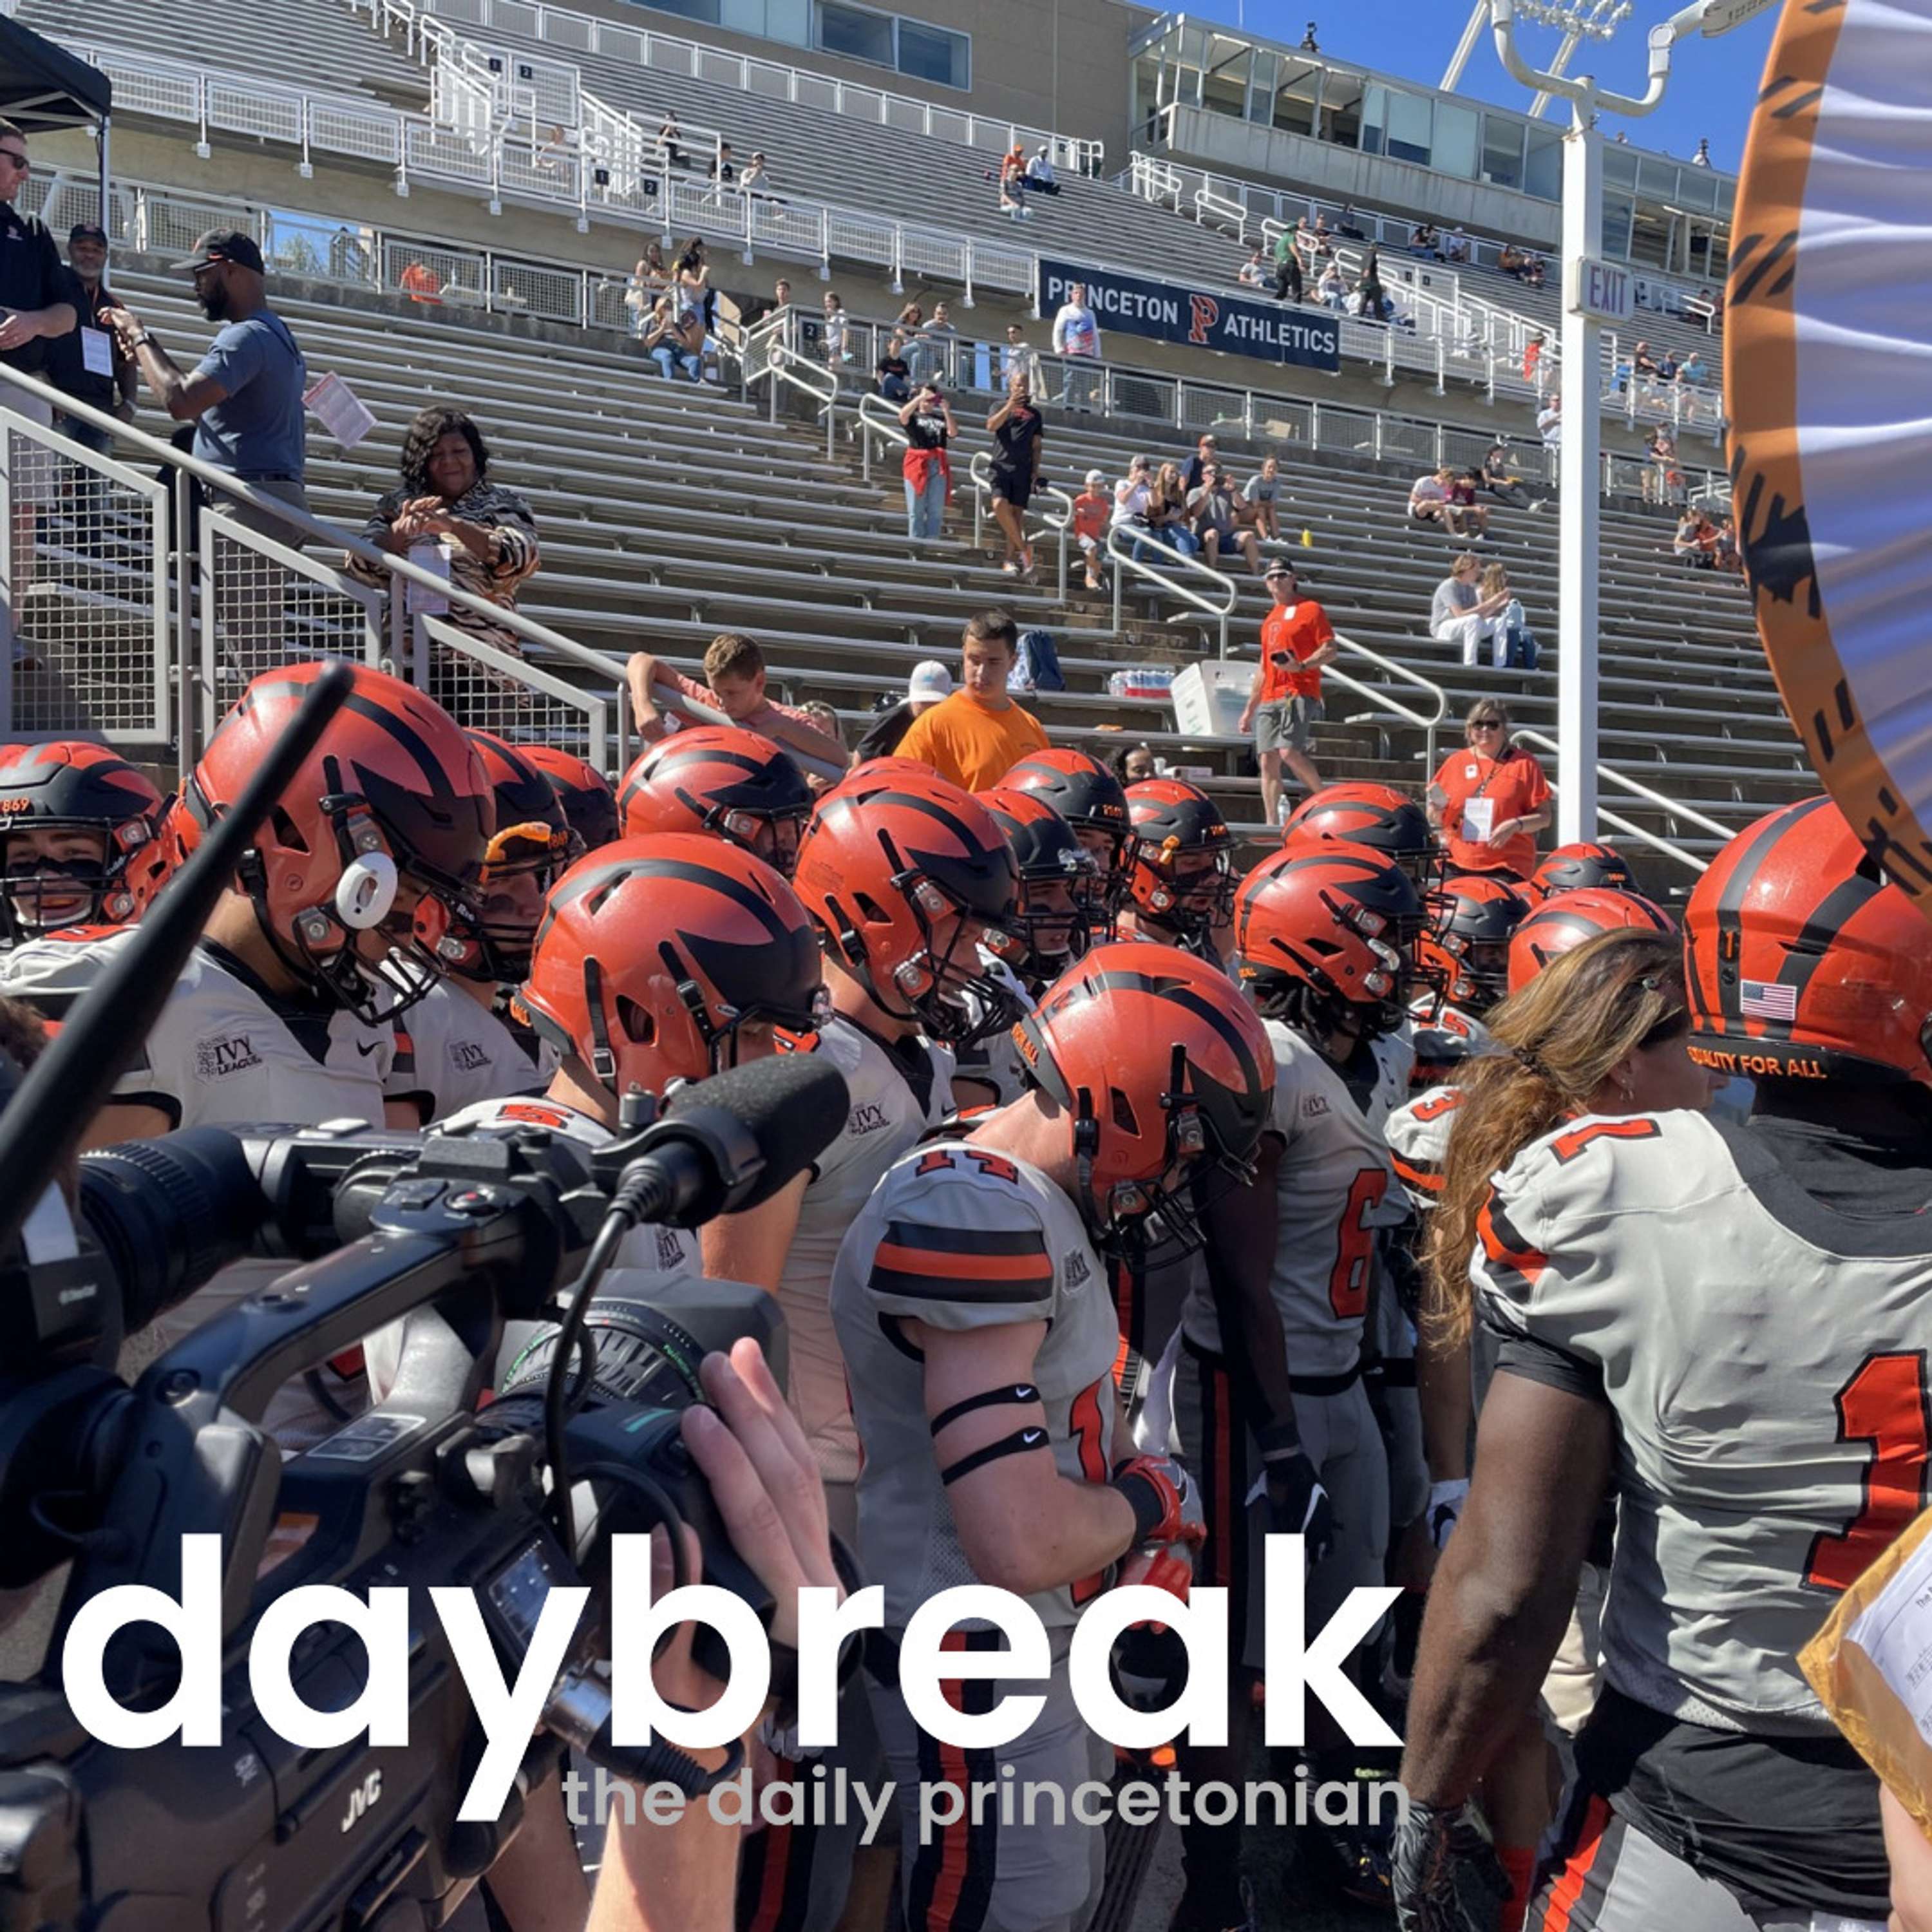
1445, 1872
1165, 1510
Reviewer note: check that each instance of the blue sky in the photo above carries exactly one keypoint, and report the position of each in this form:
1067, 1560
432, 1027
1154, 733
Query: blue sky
1712, 83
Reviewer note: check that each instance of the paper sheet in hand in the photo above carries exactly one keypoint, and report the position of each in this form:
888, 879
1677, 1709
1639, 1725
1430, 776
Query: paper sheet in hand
340, 410
97, 351
422, 602
1479, 820
1895, 1630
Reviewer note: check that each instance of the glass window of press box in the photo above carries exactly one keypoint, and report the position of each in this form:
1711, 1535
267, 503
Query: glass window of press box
1181, 62
932, 55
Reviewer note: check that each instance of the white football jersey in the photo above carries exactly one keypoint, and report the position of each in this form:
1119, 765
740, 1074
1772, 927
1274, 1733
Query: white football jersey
1395, 1067
961, 1238
451, 1053
1764, 1355
655, 1250
224, 1051
1334, 1187
887, 1115
1418, 1140
1442, 1035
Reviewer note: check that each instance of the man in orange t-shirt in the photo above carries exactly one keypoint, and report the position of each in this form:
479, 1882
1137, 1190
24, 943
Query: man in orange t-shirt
976, 736
1284, 701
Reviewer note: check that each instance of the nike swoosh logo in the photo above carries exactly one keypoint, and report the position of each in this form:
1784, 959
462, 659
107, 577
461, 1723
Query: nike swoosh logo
366, 1051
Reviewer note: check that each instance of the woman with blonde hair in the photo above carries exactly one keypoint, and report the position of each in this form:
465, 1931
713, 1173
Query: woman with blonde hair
1602, 1030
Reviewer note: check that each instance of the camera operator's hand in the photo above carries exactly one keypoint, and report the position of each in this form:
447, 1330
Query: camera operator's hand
683, 1877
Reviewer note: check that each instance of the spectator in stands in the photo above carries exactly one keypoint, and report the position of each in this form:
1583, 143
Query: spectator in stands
1321, 242
1500, 479
1285, 700
448, 515
1511, 625
1693, 370
675, 340
1532, 357
670, 154
1348, 225
1490, 801
1510, 258
245, 396
1375, 297
927, 420
1724, 552
1019, 429
1288, 286
894, 372
1643, 364
931, 352
1039, 176
1332, 291
834, 333
1660, 478
734, 683
756, 179
1167, 511
88, 363
422, 284
1018, 357
1076, 336
1461, 616
1533, 272
723, 169
1550, 423
1667, 368
1207, 453
1456, 246
1216, 524
1133, 499
1013, 198
910, 319
1696, 542
929, 683
1132, 762
1462, 514
648, 280
976, 736
690, 278
1012, 169
1092, 510
1260, 494
1254, 271
1428, 498
1423, 242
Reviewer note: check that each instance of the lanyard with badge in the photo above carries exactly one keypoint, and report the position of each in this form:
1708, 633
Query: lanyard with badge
1479, 813
97, 345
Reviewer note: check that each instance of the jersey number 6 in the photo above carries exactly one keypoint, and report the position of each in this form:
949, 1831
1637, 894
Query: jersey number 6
1885, 1404
1354, 1251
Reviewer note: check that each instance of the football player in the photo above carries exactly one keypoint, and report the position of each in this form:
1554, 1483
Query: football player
905, 876
1721, 1326
1093, 802
1320, 930
333, 924
1061, 900
80, 842
462, 1042
1377, 816
723, 779
589, 803
1579, 867
1463, 958
1182, 891
971, 1307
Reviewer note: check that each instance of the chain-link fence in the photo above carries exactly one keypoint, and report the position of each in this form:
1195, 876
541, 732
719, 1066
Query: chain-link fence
261, 604
83, 592
486, 687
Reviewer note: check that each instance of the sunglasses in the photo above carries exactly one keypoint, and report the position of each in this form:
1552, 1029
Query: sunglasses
1486, 724
19, 160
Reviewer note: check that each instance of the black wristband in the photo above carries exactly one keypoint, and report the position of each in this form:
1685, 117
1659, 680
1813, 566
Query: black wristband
1145, 1499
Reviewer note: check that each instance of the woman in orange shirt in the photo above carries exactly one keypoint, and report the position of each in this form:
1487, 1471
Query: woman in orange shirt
1490, 801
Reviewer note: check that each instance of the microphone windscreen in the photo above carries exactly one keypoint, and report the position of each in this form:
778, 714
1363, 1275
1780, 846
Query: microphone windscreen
794, 1104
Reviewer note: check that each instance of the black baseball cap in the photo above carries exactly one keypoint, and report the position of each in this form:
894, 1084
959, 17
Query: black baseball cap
222, 244
87, 231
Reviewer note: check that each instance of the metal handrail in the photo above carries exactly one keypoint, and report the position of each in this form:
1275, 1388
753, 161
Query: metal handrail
782, 363
1430, 725
229, 486
1135, 533
1609, 775
980, 473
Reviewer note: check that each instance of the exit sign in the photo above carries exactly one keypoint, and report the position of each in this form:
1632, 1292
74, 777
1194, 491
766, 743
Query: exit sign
1601, 290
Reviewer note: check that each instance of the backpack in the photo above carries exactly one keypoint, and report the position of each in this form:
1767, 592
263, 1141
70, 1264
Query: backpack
1037, 667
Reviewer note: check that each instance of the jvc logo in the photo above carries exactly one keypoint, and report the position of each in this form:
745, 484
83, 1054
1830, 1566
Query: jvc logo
363, 1799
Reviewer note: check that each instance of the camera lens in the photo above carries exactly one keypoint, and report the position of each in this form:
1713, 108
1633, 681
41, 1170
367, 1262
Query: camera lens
643, 1357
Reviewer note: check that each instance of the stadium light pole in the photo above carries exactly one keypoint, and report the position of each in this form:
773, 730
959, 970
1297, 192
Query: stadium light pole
1591, 289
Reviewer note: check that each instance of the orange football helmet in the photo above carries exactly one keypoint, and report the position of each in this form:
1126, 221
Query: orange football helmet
1567, 920
1093, 802
1183, 861
1577, 867
529, 847
583, 791
1377, 816
73, 786
1062, 894
654, 952
1466, 946
1803, 959
1165, 1073
377, 843
896, 869
723, 779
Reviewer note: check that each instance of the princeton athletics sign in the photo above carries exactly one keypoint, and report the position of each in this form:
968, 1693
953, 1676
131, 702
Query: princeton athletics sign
1172, 312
